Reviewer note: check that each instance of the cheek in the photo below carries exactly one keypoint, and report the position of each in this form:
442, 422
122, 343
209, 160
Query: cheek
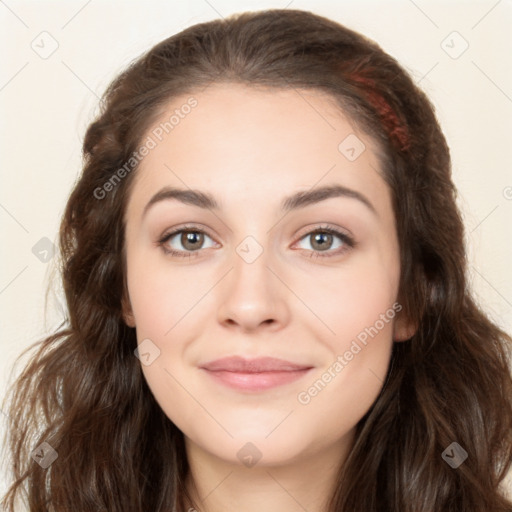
357, 298
358, 309
162, 297
360, 346
163, 301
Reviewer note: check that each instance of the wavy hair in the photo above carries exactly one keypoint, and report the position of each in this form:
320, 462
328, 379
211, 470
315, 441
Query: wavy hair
83, 391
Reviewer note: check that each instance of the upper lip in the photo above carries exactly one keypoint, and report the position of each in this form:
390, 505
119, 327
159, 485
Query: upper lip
258, 365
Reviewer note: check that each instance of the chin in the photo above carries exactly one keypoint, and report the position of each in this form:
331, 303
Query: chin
253, 444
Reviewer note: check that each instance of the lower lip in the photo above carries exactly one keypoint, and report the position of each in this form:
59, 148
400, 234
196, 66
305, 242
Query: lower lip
257, 381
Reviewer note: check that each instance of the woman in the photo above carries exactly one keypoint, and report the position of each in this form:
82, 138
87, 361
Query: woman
265, 275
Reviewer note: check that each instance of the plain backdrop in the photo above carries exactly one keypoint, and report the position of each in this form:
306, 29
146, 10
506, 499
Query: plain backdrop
58, 58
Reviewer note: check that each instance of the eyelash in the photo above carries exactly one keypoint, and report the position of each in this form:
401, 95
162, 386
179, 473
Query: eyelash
327, 229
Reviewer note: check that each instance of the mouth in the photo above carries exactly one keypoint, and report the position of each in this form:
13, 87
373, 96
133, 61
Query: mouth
254, 374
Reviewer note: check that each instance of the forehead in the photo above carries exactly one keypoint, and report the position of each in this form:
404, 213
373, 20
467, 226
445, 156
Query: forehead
254, 146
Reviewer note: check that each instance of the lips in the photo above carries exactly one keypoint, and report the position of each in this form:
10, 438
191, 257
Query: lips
262, 364
254, 375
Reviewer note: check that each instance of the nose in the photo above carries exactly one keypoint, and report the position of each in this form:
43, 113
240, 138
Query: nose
253, 296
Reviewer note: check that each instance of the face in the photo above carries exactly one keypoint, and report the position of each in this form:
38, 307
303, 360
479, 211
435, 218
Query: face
291, 254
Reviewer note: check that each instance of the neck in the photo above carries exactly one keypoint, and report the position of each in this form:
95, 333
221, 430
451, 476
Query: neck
306, 483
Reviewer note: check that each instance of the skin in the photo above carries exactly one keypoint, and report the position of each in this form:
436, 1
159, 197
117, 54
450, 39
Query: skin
250, 148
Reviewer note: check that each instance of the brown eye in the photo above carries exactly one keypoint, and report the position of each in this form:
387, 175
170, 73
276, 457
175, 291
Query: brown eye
192, 240
321, 241
327, 242
185, 242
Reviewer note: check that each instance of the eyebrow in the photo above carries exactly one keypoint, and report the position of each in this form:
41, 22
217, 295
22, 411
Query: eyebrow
293, 202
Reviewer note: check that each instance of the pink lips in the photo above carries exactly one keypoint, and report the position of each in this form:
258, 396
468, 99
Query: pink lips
254, 374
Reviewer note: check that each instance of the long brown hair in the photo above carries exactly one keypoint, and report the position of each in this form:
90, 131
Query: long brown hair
83, 392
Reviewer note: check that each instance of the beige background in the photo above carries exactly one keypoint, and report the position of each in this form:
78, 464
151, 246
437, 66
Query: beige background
47, 101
